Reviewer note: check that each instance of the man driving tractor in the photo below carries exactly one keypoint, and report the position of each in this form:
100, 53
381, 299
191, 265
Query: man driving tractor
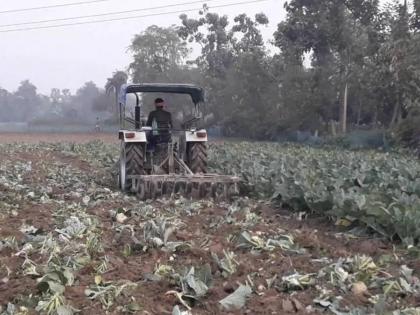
161, 122
177, 167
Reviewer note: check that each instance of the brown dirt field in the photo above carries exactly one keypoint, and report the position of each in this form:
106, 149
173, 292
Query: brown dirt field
318, 237
34, 138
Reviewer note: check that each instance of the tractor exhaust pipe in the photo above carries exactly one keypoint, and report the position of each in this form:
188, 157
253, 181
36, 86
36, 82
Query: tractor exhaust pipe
137, 117
137, 113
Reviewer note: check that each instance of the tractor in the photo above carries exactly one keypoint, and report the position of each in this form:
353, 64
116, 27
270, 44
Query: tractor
174, 167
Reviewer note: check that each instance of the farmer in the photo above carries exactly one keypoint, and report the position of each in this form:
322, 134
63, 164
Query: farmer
161, 122
97, 126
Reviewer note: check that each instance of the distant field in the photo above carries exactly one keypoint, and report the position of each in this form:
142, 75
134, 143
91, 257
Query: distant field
56, 137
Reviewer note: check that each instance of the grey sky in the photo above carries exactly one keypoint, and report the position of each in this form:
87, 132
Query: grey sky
68, 57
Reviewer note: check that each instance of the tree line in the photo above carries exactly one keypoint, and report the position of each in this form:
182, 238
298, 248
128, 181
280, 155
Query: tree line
60, 106
331, 66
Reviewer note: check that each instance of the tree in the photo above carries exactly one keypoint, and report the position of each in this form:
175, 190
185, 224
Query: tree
250, 84
416, 16
403, 49
6, 113
314, 27
84, 100
102, 103
118, 79
342, 38
157, 52
66, 96
55, 99
160, 56
211, 33
26, 101
399, 54
112, 87
236, 70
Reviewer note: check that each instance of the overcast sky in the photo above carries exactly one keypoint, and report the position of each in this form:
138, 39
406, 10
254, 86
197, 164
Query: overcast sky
68, 57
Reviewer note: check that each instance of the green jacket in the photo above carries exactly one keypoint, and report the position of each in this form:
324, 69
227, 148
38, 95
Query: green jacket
160, 118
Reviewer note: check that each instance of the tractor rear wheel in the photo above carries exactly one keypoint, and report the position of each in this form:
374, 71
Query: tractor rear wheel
131, 163
197, 157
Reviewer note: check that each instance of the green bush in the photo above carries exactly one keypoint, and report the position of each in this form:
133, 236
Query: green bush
407, 132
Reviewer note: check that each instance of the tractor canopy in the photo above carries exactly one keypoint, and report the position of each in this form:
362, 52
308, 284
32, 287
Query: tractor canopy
196, 93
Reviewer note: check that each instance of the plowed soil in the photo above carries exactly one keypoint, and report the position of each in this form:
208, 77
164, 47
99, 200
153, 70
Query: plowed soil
319, 237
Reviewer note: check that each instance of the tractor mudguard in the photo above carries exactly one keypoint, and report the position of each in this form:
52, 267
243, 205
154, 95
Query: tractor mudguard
196, 136
133, 136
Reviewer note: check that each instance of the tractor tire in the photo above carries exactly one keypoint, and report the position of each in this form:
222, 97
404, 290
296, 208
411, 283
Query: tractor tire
131, 163
197, 157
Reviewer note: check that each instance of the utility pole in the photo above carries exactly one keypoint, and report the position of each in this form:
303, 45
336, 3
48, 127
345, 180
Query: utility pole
344, 110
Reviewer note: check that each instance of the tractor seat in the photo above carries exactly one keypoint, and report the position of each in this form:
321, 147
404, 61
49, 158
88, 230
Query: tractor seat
161, 140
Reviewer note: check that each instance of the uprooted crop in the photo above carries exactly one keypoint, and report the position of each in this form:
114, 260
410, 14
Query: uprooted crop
78, 244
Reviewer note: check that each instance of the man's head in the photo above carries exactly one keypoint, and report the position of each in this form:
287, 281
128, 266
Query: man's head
159, 103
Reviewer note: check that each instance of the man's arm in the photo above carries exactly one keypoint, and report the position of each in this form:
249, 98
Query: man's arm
150, 119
